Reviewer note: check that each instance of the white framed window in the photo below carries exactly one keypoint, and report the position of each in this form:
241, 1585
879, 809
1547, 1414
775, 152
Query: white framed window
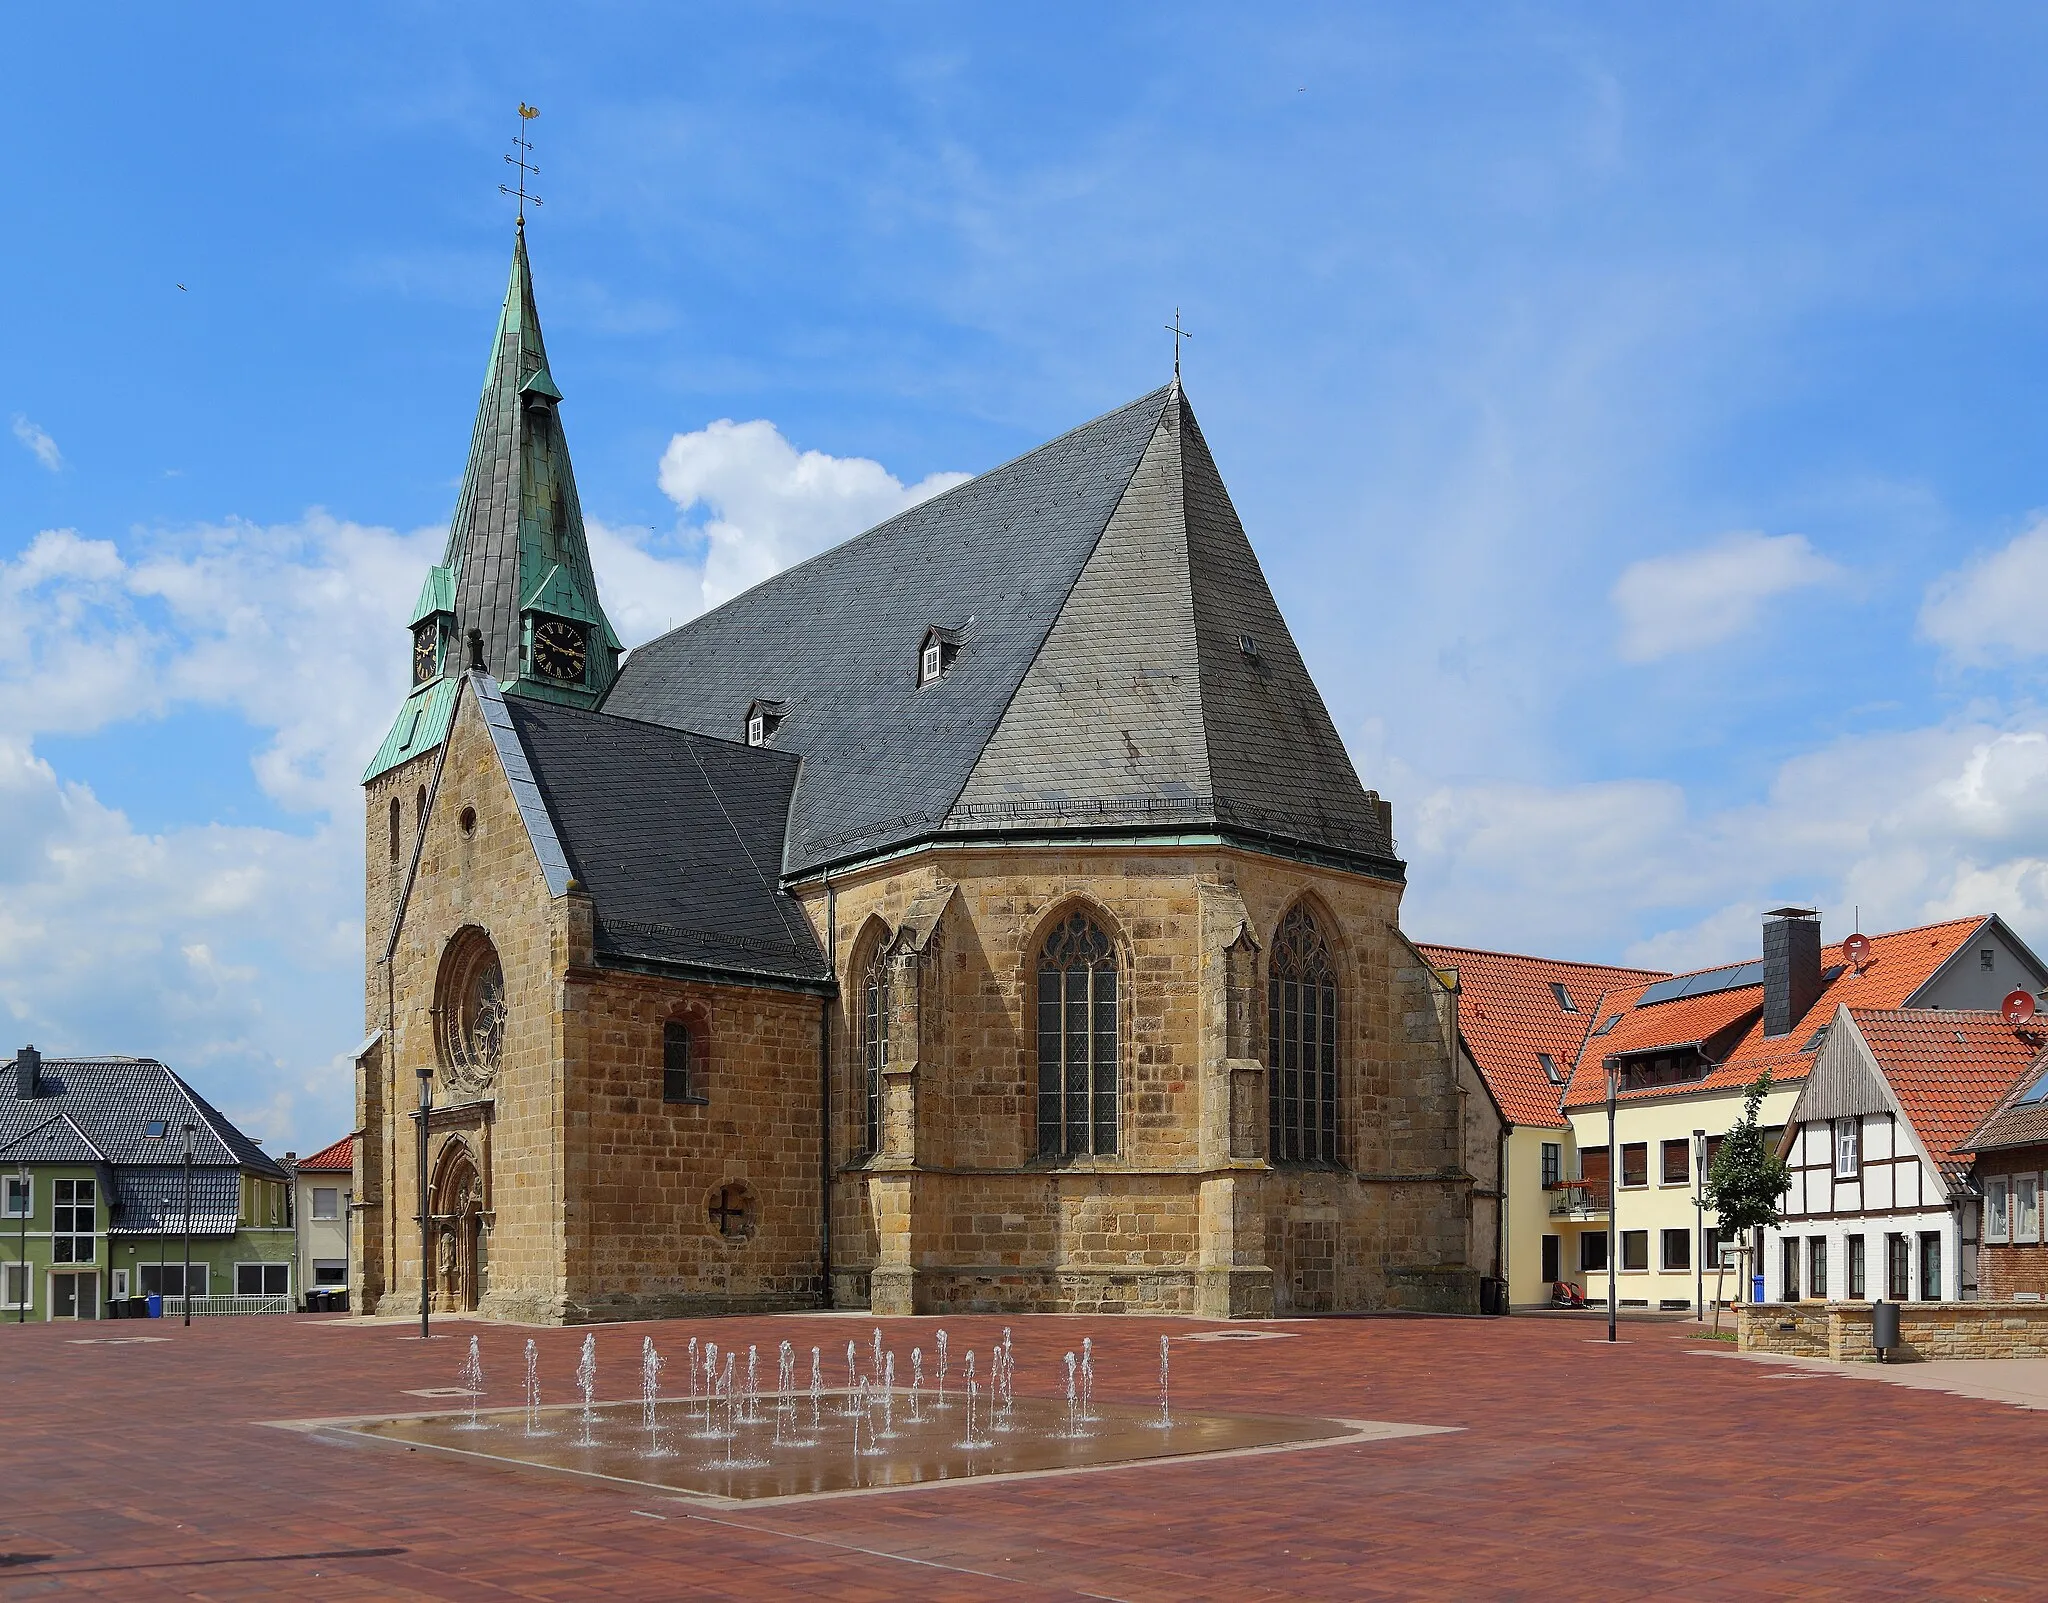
757, 730
327, 1202
15, 1282
263, 1279
1848, 1148
74, 1222
168, 1279
928, 668
20, 1195
1998, 1209
2026, 1207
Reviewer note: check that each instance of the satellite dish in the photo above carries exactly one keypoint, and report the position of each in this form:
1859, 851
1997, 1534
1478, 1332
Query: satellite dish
2017, 1008
1857, 948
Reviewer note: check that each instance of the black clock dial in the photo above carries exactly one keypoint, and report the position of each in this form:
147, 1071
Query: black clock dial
558, 651
424, 665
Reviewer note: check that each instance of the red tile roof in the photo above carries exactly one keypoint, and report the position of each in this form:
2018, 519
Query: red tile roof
1948, 1069
1898, 965
339, 1157
1508, 1013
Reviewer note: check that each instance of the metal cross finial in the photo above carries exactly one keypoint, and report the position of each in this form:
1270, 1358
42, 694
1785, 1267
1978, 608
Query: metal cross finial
1178, 334
522, 159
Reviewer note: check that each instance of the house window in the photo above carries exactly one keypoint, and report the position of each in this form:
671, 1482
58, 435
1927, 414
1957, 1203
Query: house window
1077, 1042
1713, 1151
936, 655
678, 1064
326, 1202
1677, 1163
1674, 1249
1814, 1040
1594, 1170
929, 669
1897, 1268
1817, 1266
1997, 1209
395, 829
1564, 997
1716, 1249
76, 1217
1930, 1266
1987, 959
757, 730
1608, 1023
1788, 1284
2026, 1207
329, 1273
1593, 1253
1301, 1080
14, 1284
1635, 1250
874, 1046
1848, 1148
263, 1279
1551, 1071
1635, 1163
20, 1196
1553, 1166
1856, 1268
168, 1279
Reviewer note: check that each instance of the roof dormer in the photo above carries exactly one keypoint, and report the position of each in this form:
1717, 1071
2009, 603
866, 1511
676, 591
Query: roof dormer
936, 652
764, 717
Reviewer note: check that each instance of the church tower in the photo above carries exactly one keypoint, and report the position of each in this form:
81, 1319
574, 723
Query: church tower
514, 587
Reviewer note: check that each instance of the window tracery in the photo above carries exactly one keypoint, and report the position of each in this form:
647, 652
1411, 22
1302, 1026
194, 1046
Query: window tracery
1301, 1068
874, 1037
473, 1012
1077, 1041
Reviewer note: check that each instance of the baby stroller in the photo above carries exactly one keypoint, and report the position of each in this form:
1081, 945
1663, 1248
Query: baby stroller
1563, 1294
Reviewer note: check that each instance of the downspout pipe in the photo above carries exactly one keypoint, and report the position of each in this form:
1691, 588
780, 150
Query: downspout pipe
825, 1099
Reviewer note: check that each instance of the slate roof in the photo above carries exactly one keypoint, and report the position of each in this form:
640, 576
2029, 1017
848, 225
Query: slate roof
1100, 587
1508, 1014
339, 1158
151, 1201
55, 1140
112, 1100
1899, 964
1949, 1069
677, 838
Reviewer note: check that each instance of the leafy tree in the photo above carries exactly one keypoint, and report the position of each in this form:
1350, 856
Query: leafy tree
1748, 1178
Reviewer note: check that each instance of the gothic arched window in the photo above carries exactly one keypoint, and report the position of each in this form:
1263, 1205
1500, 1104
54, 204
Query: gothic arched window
874, 1044
472, 1012
1077, 1042
1301, 1069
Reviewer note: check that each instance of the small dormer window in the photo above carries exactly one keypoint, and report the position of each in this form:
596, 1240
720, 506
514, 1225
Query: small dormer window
763, 718
1564, 997
936, 654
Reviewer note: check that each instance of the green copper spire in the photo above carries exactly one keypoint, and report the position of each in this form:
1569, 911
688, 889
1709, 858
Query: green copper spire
516, 571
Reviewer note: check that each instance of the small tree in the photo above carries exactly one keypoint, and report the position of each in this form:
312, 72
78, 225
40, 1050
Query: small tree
1748, 1179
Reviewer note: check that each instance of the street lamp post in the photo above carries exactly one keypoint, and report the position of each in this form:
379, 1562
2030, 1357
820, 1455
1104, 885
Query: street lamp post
426, 1214
1613, 1209
1699, 1203
185, 1282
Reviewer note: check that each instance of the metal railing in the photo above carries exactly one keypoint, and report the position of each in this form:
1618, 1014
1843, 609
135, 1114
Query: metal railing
1578, 1199
202, 1307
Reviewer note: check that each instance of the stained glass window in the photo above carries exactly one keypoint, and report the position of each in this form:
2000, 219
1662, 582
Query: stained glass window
1077, 1042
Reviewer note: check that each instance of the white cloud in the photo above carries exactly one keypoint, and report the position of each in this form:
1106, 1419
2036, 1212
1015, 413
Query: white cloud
1990, 609
40, 443
769, 505
1696, 598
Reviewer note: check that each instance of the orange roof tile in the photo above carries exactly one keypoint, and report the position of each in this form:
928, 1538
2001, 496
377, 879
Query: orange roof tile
1508, 1014
340, 1156
1949, 1069
1899, 964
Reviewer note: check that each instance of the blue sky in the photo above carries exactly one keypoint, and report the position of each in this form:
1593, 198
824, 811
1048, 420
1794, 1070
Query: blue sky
1640, 422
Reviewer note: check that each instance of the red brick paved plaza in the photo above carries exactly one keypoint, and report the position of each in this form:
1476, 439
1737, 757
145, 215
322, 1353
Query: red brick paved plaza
1658, 1467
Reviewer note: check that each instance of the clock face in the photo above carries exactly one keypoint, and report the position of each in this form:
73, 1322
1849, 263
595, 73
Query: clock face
558, 651
424, 663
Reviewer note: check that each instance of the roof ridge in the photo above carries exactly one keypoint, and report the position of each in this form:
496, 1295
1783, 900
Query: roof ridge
1532, 957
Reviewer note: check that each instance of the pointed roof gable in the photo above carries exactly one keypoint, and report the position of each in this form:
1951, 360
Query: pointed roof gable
1098, 588
1509, 1016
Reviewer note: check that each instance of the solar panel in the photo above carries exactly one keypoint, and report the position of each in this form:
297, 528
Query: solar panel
2035, 1092
1713, 980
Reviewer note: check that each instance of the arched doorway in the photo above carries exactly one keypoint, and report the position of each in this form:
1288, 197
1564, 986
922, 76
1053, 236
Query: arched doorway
457, 1206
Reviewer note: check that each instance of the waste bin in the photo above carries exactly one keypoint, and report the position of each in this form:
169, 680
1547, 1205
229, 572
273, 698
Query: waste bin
1756, 1288
156, 1306
138, 1307
340, 1299
1884, 1327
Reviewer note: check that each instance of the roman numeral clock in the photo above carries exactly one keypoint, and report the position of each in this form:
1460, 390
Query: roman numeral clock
558, 651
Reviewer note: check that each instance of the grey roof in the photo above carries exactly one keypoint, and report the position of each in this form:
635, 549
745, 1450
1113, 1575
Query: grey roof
55, 1140
1100, 586
676, 837
112, 1101
151, 1201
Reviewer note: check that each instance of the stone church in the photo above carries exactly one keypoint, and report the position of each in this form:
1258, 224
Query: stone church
983, 914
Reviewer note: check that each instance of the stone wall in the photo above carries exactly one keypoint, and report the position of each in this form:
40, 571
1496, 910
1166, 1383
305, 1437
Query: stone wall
1927, 1330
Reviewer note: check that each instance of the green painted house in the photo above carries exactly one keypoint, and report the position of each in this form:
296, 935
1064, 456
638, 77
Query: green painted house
97, 1199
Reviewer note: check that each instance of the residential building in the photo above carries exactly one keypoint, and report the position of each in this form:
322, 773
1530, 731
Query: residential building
322, 1189
1522, 1021
2010, 1148
983, 914
96, 1200
1683, 1052
1881, 1203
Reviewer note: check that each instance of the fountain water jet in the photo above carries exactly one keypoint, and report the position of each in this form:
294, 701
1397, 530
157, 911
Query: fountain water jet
889, 1398
940, 1402
472, 1381
1165, 1420
1073, 1411
916, 1384
852, 1380
1087, 1378
752, 1413
693, 1377
586, 1382
533, 1390
814, 1391
650, 1386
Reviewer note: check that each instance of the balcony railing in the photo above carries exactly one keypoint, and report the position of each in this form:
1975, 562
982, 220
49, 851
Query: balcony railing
1577, 1199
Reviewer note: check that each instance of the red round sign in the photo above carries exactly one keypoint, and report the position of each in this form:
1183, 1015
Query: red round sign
2017, 1008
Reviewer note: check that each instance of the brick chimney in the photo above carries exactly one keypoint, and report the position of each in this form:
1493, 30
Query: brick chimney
1791, 967
28, 1063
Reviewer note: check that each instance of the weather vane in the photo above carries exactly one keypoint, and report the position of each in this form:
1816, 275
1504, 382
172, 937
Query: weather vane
1178, 334
522, 158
